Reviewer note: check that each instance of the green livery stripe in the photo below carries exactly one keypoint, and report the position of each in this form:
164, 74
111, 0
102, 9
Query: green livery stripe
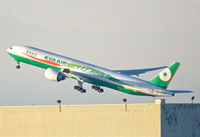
116, 84
70, 65
32, 62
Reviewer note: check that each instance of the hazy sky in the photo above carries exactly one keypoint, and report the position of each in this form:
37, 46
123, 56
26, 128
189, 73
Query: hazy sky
114, 34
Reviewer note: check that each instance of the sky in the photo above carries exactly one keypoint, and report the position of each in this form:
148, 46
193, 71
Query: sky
112, 34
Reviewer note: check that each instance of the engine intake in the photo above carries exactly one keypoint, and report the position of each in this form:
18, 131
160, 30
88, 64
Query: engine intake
54, 75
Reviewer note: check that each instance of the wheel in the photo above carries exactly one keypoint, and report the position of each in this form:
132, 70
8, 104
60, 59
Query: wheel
97, 88
101, 90
76, 87
83, 90
17, 67
93, 86
79, 88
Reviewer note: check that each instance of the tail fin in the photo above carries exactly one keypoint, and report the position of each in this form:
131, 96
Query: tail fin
163, 79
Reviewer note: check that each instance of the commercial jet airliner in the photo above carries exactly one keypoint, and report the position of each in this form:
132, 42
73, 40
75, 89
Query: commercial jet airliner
58, 68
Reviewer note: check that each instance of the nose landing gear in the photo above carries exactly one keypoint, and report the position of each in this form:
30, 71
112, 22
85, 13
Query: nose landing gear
18, 65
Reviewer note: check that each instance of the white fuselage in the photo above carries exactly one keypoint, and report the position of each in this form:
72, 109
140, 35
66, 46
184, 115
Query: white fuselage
84, 70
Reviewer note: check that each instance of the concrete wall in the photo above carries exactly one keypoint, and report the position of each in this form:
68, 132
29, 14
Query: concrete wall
141, 120
180, 120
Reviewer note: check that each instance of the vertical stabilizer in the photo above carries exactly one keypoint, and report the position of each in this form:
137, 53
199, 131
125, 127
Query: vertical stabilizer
163, 79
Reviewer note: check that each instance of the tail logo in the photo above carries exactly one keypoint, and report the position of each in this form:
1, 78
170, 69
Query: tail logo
165, 75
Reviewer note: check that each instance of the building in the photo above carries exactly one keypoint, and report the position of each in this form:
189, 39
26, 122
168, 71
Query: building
140, 120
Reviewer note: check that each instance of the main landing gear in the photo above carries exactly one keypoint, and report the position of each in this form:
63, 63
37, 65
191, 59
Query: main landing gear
18, 65
97, 88
80, 87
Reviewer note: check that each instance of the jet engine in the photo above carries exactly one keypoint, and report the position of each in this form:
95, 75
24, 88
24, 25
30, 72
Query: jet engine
53, 74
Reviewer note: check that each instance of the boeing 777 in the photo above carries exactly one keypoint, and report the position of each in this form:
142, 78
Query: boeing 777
59, 67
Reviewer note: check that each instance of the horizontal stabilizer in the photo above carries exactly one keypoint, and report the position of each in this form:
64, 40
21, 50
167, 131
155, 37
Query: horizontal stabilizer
180, 91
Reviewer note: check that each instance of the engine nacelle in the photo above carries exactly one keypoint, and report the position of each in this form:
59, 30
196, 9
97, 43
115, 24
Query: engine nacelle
53, 74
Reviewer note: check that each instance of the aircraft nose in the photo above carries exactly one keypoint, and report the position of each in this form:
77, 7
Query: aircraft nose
9, 50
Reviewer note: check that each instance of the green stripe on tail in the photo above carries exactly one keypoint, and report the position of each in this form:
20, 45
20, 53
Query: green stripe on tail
163, 79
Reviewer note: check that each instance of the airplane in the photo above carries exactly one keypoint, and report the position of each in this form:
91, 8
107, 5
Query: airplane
58, 68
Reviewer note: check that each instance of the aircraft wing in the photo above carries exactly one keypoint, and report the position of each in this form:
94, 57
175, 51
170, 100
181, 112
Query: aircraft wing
138, 71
